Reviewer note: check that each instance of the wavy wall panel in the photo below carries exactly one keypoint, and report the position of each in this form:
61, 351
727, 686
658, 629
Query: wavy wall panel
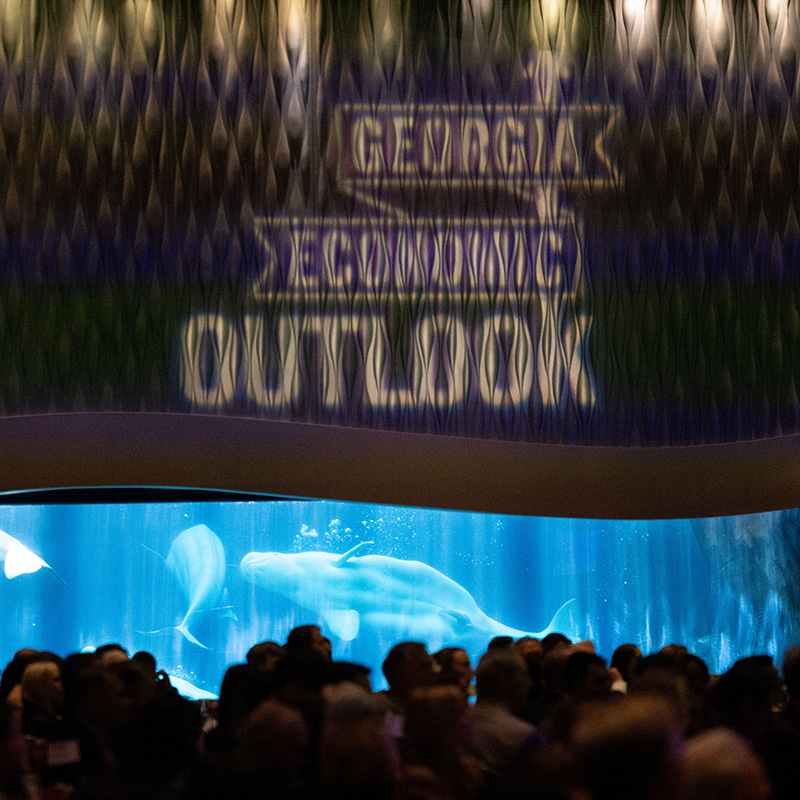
558, 222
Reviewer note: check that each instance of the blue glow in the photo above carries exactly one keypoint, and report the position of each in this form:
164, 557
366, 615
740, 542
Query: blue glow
184, 581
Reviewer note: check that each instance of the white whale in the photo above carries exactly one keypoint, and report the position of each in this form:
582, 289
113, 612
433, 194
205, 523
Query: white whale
400, 599
197, 561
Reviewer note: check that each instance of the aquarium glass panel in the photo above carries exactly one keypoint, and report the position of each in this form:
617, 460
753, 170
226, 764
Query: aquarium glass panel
198, 583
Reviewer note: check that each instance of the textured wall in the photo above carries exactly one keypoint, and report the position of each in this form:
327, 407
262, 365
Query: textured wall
566, 222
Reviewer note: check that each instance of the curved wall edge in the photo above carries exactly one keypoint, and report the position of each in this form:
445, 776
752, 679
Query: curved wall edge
295, 460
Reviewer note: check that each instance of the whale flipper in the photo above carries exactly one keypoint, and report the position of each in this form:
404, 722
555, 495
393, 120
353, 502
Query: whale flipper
461, 622
344, 624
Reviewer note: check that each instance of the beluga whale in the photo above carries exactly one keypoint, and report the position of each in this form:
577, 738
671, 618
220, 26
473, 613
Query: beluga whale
394, 598
18, 560
197, 561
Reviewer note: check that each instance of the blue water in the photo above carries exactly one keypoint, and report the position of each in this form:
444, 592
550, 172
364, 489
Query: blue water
649, 582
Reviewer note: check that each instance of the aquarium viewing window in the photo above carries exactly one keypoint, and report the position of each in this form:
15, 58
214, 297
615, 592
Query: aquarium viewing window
196, 578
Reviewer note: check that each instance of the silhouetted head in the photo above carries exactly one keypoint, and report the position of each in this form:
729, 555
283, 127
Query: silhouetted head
111, 652
455, 668
274, 743
697, 676
720, 765
743, 697
264, 655
358, 757
501, 643
409, 666
554, 643
527, 645
502, 677
12, 674
145, 660
164, 736
677, 652
147, 664
435, 723
626, 659
305, 639
73, 666
41, 686
348, 672
629, 750
586, 677
99, 698
243, 688
660, 674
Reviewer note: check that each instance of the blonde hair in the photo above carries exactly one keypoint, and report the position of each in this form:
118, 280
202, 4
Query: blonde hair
37, 684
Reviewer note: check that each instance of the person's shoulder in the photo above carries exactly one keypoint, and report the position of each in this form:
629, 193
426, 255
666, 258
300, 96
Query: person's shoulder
385, 700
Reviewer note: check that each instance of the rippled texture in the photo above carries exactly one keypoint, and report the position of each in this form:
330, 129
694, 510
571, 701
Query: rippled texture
547, 222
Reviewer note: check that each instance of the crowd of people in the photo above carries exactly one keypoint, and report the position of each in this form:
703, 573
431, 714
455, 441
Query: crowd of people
546, 720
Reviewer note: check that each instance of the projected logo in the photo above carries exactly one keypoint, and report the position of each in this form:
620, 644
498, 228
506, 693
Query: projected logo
515, 150
404, 306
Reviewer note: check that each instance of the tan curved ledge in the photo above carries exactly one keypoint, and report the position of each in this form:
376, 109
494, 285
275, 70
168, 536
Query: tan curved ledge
312, 461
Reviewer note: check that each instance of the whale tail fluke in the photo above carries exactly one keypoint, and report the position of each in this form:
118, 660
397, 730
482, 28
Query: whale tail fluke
50, 569
184, 630
566, 621
21, 561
